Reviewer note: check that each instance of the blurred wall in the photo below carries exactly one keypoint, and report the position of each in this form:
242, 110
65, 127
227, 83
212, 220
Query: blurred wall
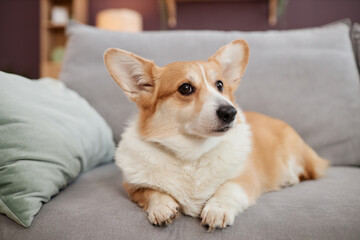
19, 21
245, 15
252, 15
19, 37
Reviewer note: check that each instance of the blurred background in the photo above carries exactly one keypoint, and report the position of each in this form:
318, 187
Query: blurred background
33, 39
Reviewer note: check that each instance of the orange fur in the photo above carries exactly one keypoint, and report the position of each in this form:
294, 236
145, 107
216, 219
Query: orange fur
273, 143
140, 196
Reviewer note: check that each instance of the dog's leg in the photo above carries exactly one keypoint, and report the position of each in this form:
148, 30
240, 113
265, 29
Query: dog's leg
161, 208
226, 203
231, 198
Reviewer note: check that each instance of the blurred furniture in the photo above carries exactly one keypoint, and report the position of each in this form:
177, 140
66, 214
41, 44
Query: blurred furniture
121, 19
52, 33
171, 10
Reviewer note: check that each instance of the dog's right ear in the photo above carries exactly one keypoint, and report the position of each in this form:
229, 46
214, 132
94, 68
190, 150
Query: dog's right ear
131, 72
233, 59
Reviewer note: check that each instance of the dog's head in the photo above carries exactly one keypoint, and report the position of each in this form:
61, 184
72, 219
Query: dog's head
193, 98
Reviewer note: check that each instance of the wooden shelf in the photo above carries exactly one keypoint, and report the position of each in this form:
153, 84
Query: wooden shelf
52, 36
56, 26
51, 69
169, 7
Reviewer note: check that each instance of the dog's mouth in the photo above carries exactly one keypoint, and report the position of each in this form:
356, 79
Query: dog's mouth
222, 129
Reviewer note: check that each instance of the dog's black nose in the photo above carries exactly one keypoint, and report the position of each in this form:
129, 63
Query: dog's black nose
226, 113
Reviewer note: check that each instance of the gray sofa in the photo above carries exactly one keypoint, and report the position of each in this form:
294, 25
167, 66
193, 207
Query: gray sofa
307, 78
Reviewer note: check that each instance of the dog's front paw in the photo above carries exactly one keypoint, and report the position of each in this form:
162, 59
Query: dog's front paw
215, 215
162, 209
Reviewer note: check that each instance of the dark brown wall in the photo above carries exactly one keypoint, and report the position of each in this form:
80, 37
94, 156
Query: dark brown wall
19, 37
246, 15
252, 15
19, 21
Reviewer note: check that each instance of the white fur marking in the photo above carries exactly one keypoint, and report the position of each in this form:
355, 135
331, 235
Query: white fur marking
191, 183
221, 209
211, 89
204, 76
291, 175
162, 208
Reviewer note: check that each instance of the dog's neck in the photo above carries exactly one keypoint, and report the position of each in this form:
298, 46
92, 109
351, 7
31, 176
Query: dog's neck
188, 148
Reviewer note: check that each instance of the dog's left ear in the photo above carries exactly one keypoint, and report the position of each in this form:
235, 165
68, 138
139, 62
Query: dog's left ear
233, 59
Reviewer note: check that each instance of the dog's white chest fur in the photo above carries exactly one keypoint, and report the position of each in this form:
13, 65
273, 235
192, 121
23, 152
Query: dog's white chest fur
191, 179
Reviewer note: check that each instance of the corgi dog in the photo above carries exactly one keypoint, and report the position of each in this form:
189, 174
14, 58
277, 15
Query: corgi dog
191, 149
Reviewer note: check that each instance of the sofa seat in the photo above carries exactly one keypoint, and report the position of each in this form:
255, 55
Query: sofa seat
96, 207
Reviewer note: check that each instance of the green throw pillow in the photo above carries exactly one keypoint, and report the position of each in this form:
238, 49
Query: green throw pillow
48, 136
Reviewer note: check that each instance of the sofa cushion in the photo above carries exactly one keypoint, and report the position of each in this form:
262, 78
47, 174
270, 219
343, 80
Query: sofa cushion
307, 77
96, 207
355, 34
49, 134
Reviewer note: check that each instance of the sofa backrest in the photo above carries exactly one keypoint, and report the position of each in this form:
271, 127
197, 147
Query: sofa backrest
308, 78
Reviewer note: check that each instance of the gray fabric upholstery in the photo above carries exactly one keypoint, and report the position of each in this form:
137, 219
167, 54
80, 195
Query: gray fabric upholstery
307, 78
355, 34
96, 207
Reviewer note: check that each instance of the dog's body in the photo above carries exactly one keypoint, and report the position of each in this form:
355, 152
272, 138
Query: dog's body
192, 149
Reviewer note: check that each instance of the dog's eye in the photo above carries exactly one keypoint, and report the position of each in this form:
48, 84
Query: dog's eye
220, 86
186, 89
